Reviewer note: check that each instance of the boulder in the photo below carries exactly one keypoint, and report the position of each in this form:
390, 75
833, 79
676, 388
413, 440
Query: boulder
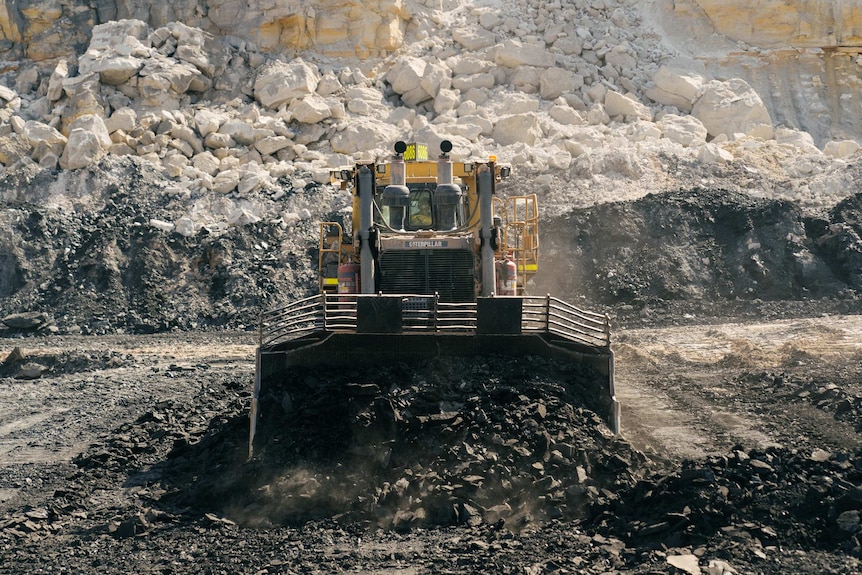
26, 320
675, 87
272, 144
309, 110
37, 133
83, 149
208, 121
514, 54
841, 149
683, 130
517, 128
732, 107
474, 39
617, 104
363, 136
241, 131
55, 82
94, 125
280, 83
554, 82
122, 119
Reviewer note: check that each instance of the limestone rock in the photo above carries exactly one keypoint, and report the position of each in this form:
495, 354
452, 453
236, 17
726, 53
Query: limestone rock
675, 87
241, 131
617, 104
416, 80
517, 128
37, 133
556, 81
55, 82
732, 107
842, 149
280, 82
683, 130
513, 54
122, 119
364, 136
83, 149
769, 23
310, 109
94, 125
714, 154
474, 39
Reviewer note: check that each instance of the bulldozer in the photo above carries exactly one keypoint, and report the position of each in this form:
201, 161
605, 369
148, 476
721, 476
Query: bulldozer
431, 262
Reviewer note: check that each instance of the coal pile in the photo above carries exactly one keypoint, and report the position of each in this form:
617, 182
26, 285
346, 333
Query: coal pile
481, 441
764, 500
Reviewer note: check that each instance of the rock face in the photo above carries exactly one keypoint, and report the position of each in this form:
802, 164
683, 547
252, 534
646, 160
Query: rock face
776, 23
45, 30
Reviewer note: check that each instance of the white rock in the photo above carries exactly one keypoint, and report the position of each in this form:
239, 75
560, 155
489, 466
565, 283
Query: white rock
113, 70
186, 227
269, 146
556, 81
474, 81
84, 148
683, 130
596, 115
279, 83
216, 141
678, 82
364, 136
517, 128
513, 54
617, 104
242, 217
187, 135
802, 140
842, 149
732, 107
206, 162
208, 121
328, 85
446, 100
122, 119
226, 181
55, 82
174, 163
7, 94
240, 131
688, 563
250, 181
566, 115
310, 109
474, 39
38, 133
714, 154
162, 225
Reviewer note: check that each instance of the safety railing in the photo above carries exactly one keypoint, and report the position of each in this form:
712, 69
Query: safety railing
423, 313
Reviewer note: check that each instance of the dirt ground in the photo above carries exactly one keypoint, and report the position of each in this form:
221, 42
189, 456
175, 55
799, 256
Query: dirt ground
740, 442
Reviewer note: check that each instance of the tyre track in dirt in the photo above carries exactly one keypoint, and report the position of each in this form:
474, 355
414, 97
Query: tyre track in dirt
685, 391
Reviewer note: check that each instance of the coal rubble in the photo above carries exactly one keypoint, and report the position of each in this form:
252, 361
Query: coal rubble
767, 501
457, 442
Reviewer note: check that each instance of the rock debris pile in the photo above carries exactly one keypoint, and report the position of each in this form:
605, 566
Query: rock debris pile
757, 499
452, 442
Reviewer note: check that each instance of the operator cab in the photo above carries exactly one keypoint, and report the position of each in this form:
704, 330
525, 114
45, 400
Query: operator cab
437, 204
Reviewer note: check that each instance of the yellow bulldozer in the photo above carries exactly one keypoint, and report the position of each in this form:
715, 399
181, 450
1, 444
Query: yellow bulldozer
433, 262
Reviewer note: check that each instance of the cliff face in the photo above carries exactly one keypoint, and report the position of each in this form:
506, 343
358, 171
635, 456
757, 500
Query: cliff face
782, 23
45, 29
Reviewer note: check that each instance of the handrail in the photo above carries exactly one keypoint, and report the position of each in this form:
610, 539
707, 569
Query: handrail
425, 313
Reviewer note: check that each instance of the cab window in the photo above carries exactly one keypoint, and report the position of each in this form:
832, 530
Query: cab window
420, 209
